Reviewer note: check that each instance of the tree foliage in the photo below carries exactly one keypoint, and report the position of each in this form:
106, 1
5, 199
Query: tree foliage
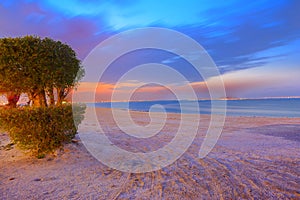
41, 130
46, 70
38, 67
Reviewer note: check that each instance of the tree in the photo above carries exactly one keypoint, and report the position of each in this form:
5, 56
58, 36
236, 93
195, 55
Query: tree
40, 68
63, 71
10, 70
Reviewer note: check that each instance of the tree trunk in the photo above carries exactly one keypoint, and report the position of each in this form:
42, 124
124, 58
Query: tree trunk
31, 96
60, 96
42, 97
50, 93
39, 100
12, 99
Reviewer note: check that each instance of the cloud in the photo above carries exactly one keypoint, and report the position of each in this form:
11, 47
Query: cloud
231, 31
268, 81
236, 34
22, 18
265, 81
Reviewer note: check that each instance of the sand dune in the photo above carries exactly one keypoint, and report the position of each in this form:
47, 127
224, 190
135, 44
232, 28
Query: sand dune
255, 158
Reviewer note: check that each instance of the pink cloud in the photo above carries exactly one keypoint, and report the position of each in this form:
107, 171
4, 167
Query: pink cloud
21, 19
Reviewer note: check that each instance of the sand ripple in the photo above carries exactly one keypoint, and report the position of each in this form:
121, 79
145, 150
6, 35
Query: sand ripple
255, 158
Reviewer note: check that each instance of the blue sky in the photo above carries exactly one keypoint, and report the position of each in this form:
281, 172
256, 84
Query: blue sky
238, 35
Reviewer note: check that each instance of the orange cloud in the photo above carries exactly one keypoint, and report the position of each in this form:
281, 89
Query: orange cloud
244, 83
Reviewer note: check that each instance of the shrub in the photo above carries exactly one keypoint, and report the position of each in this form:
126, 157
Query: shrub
41, 130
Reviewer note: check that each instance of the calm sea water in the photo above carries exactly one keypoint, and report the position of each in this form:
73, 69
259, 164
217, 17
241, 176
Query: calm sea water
254, 107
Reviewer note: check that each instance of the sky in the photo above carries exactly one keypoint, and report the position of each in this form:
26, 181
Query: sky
254, 44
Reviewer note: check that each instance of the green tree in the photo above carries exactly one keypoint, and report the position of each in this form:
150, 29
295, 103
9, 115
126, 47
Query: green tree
63, 71
10, 70
39, 68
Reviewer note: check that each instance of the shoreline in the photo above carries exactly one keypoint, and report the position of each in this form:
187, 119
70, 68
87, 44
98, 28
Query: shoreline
195, 114
255, 157
276, 108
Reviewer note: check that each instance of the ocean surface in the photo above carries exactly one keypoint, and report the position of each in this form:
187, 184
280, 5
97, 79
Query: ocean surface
248, 107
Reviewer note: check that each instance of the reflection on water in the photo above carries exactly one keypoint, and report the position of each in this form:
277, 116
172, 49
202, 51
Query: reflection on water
249, 107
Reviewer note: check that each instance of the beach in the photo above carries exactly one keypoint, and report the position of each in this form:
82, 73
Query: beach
254, 158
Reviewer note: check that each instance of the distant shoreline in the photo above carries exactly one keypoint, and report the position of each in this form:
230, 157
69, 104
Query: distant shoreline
205, 99
276, 107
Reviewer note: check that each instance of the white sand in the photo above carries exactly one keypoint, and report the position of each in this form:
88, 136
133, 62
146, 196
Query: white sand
255, 158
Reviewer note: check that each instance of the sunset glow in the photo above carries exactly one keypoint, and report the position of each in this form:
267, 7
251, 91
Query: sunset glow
255, 45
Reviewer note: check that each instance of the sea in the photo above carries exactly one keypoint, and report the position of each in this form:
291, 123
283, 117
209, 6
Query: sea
287, 107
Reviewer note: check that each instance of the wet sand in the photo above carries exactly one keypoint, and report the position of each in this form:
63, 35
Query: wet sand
255, 158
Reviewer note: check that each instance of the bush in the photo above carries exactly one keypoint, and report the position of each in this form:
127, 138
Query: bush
41, 130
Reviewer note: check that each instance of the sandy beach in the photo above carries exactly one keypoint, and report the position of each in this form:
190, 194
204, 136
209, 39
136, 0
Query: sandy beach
255, 158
